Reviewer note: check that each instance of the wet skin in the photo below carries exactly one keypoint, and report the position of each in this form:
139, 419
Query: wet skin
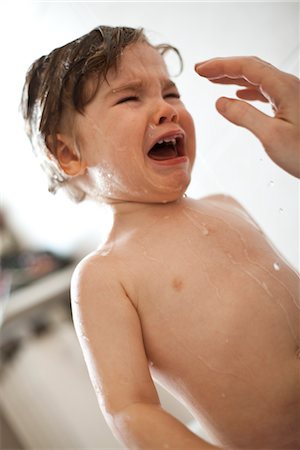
132, 111
189, 291
220, 323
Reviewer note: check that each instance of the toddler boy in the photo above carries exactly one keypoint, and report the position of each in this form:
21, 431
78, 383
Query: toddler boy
187, 292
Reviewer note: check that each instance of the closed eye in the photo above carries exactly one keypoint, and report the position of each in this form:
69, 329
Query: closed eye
131, 98
172, 95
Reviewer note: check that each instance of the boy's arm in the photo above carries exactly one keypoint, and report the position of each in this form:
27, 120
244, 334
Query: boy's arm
109, 331
280, 135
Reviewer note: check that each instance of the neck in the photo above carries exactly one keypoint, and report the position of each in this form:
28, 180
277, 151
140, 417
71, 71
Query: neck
127, 214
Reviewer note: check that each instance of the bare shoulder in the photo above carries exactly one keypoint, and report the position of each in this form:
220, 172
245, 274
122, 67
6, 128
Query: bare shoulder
92, 267
90, 270
225, 200
95, 282
231, 205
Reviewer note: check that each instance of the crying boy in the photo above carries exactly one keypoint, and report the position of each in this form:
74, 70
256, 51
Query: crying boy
183, 291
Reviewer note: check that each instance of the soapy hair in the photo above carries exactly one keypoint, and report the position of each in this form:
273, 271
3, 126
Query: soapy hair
57, 83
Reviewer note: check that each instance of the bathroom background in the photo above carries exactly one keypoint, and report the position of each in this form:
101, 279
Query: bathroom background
46, 400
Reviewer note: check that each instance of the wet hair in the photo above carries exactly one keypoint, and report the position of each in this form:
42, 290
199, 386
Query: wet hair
57, 83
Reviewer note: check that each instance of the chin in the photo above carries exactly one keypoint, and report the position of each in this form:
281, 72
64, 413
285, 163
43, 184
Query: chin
172, 194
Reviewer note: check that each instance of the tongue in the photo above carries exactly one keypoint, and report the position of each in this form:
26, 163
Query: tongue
161, 153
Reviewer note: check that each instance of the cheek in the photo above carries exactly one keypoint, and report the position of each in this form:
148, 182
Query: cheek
190, 123
189, 127
122, 138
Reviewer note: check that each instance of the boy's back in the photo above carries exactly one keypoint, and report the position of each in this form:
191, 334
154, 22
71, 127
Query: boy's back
193, 291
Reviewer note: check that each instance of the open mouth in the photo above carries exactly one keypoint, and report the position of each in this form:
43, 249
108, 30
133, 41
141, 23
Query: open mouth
167, 148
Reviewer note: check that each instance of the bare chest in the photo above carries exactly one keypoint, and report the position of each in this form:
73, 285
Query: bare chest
220, 316
210, 278
219, 312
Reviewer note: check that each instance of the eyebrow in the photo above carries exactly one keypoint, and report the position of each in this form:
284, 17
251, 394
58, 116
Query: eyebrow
137, 85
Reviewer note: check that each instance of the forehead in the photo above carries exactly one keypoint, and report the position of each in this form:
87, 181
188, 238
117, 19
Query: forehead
139, 61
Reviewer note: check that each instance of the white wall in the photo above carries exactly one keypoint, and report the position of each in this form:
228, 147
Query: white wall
230, 159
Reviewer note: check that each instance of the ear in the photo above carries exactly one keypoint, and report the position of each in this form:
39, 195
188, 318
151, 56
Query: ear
66, 155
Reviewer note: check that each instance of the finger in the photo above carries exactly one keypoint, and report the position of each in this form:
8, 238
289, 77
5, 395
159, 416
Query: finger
227, 80
251, 94
256, 71
246, 67
241, 82
245, 115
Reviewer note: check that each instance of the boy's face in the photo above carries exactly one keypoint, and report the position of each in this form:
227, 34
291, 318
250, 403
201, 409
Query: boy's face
136, 137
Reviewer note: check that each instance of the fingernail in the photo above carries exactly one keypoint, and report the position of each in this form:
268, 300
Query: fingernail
200, 66
222, 104
201, 62
197, 65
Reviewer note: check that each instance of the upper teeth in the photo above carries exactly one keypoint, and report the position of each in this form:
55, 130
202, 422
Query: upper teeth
172, 140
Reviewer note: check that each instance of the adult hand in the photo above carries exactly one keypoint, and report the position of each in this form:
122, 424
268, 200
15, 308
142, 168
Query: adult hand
280, 135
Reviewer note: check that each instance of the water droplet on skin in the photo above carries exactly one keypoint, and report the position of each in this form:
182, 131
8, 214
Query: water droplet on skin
217, 290
229, 255
276, 266
201, 227
152, 127
223, 395
265, 287
249, 272
204, 230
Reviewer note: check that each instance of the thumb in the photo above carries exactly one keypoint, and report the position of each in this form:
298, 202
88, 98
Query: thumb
245, 115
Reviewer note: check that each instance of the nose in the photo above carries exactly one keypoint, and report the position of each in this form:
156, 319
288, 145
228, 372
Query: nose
165, 112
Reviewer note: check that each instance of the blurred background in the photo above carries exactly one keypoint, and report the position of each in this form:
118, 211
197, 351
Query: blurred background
45, 397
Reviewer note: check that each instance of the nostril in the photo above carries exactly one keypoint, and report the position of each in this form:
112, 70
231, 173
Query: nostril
162, 120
